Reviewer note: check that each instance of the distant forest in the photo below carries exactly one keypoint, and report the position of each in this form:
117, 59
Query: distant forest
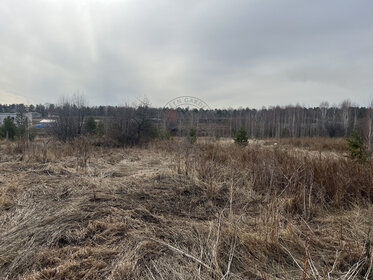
288, 121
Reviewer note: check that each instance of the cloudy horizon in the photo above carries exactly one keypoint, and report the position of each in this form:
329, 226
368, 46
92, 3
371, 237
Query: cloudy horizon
228, 53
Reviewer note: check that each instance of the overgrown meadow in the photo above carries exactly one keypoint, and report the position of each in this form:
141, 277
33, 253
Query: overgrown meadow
170, 209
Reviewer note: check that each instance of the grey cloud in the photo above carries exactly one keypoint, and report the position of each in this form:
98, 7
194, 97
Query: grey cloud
229, 53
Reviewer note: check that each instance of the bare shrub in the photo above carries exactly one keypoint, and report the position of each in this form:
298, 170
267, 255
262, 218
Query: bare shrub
304, 178
70, 118
82, 148
132, 125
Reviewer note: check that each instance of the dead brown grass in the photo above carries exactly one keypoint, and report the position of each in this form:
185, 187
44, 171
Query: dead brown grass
176, 211
312, 143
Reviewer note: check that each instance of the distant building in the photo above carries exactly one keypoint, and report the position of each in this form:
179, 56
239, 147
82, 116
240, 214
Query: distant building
13, 116
45, 123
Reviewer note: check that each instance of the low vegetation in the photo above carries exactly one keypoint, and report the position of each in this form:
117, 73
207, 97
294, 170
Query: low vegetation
170, 210
356, 148
192, 136
241, 137
8, 129
19, 129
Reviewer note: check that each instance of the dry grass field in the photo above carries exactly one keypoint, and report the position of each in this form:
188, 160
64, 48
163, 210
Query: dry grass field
169, 210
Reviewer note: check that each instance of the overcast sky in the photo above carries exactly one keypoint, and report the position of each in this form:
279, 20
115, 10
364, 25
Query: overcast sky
232, 53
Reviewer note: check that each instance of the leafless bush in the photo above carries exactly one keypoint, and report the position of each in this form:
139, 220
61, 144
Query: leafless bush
82, 148
70, 118
131, 125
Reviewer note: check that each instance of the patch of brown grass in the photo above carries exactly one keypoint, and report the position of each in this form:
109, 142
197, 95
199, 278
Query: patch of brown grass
312, 143
177, 211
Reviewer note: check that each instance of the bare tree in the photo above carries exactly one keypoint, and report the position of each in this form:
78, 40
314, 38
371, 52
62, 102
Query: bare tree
345, 107
324, 106
369, 124
131, 125
70, 117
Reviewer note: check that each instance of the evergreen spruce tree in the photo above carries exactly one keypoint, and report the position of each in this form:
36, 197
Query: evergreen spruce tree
241, 137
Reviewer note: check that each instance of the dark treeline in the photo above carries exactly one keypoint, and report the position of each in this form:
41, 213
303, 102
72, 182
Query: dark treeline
43, 110
289, 121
